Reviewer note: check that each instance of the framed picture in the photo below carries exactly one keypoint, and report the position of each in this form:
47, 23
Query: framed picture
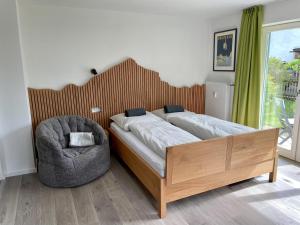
225, 50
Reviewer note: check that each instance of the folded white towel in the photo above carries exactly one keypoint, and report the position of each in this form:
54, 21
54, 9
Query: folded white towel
81, 139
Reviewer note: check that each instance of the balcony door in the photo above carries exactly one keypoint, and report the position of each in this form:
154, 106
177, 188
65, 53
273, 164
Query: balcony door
281, 102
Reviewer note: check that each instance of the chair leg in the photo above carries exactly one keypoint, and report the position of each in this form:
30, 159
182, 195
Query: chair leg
282, 131
273, 174
289, 133
284, 140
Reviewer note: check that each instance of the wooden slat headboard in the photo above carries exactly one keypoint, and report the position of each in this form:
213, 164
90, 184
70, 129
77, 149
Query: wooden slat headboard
125, 85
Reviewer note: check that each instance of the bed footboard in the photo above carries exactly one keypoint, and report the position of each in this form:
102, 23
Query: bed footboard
206, 165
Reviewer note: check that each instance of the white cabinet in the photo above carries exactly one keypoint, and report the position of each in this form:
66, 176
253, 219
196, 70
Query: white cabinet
218, 100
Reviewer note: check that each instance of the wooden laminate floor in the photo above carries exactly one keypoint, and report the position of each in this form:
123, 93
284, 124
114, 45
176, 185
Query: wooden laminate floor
118, 198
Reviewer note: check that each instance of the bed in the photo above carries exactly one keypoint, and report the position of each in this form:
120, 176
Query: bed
189, 168
196, 167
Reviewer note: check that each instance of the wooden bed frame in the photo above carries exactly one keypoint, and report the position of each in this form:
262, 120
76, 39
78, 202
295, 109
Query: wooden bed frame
191, 168
202, 166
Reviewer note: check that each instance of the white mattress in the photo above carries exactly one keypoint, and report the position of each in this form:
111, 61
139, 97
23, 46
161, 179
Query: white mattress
153, 159
206, 127
158, 135
203, 126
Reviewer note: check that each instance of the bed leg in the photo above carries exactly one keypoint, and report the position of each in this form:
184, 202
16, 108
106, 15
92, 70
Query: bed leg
162, 204
162, 209
273, 174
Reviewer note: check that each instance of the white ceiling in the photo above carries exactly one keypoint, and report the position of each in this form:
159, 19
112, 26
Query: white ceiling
201, 8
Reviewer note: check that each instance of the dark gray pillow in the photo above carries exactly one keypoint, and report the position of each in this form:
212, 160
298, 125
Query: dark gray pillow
173, 108
135, 112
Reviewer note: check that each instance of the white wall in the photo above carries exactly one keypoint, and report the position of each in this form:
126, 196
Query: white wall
225, 23
62, 44
278, 12
15, 137
274, 13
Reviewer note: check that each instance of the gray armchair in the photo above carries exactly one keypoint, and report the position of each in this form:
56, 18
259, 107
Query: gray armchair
62, 166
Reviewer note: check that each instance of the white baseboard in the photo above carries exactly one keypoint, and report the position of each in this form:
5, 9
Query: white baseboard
20, 172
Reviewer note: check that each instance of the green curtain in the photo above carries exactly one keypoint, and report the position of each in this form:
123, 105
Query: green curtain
247, 91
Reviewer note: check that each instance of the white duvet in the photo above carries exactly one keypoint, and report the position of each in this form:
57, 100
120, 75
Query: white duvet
158, 135
204, 126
